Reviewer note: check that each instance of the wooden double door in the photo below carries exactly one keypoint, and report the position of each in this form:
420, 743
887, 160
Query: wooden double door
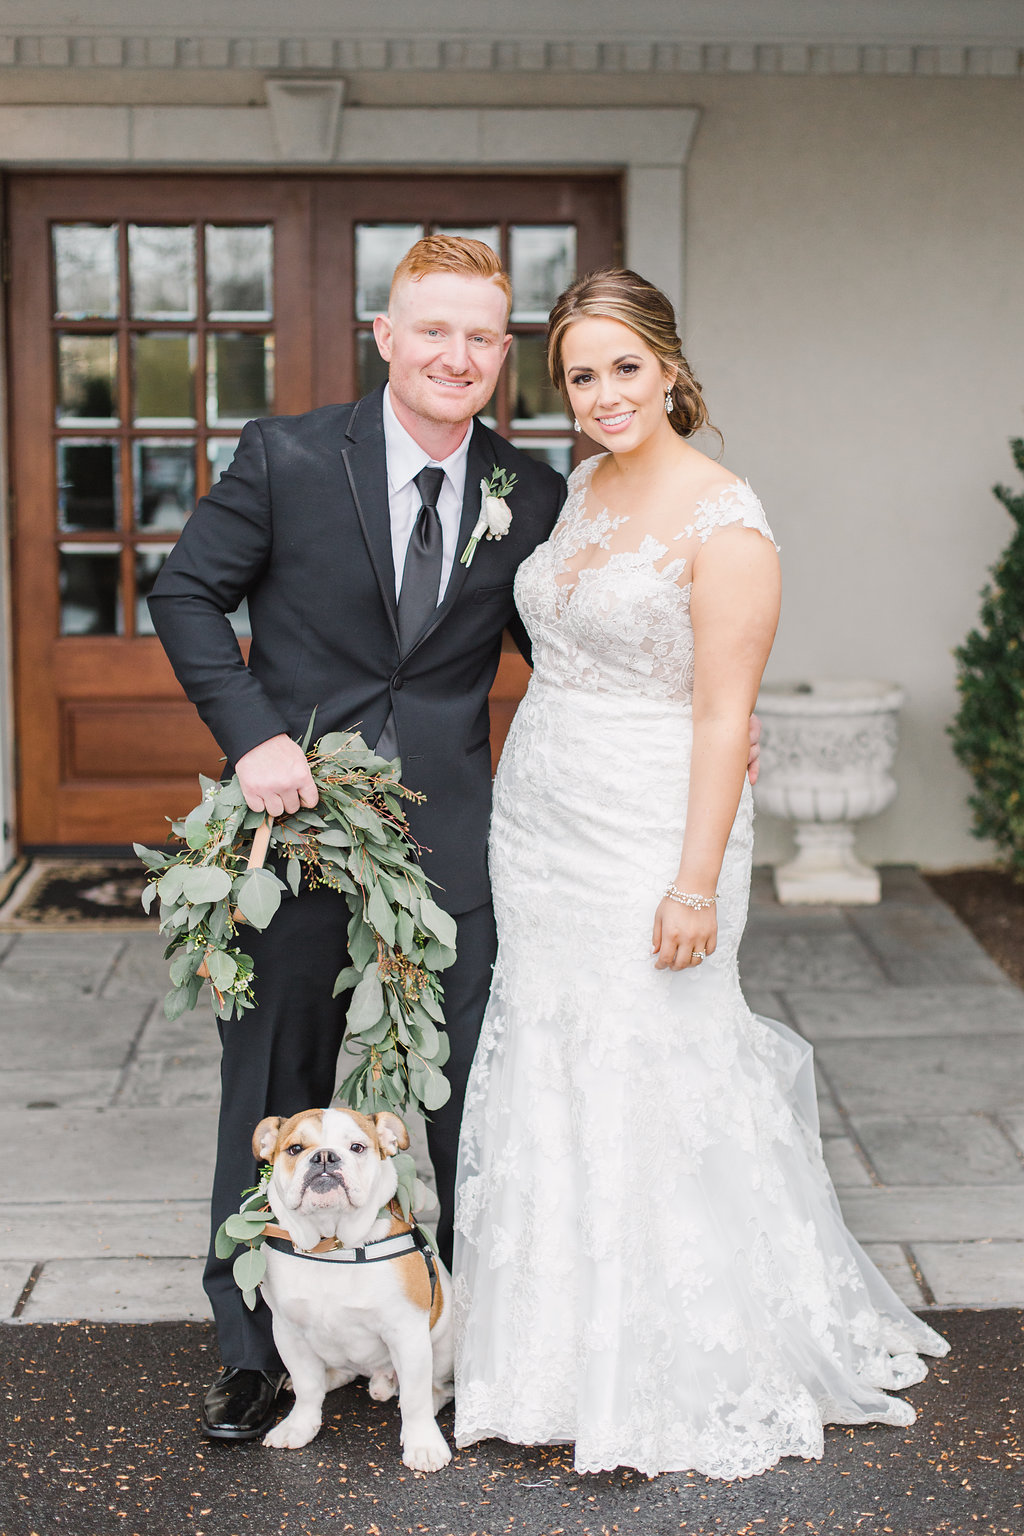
149, 319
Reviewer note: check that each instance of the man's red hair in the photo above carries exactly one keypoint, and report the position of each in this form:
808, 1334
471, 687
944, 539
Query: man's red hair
452, 253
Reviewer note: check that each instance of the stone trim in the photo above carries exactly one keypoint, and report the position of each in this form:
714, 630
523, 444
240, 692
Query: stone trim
431, 55
649, 145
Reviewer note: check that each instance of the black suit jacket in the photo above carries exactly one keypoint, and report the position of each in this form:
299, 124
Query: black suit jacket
300, 524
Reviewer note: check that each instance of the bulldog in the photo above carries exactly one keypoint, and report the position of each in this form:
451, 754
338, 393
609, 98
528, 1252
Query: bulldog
373, 1300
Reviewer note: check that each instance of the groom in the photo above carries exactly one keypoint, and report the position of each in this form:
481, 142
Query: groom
343, 527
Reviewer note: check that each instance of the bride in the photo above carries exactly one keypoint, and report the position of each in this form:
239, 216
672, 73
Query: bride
650, 1260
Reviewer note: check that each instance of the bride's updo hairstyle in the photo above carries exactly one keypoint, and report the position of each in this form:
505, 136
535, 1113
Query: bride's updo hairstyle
616, 293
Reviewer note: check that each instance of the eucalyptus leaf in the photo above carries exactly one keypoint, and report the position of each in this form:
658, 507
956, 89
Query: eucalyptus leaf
176, 1003
380, 915
151, 857
442, 1050
222, 969
223, 1246
293, 874
335, 741
206, 883
427, 1039
345, 980
438, 922
378, 1034
362, 946
244, 1225
367, 1003
148, 892
217, 926
435, 1090
198, 914
185, 964
169, 886
249, 1268
405, 930
258, 897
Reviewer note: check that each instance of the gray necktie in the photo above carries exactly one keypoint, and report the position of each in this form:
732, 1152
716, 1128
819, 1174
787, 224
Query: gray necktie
421, 582
421, 577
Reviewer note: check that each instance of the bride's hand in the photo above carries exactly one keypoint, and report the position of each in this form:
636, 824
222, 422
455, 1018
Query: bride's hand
682, 936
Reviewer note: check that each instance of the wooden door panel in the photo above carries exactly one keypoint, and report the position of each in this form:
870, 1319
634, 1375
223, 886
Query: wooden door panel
106, 740
125, 740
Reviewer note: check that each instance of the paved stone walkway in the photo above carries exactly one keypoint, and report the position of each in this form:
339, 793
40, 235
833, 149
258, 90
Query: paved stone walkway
919, 1040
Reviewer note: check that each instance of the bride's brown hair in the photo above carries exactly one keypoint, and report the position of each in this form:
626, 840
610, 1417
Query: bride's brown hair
616, 293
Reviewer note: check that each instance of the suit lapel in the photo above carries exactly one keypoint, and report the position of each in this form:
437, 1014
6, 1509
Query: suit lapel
365, 463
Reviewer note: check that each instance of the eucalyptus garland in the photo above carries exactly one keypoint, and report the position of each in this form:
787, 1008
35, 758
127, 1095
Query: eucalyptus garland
355, 841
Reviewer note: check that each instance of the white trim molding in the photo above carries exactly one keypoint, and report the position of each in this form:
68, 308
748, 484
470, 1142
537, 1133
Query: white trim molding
28, 51
650, 146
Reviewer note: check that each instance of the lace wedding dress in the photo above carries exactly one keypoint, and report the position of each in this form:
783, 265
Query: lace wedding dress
650, 1259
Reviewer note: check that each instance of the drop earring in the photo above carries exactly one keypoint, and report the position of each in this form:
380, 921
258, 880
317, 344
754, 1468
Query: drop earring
576, 426
668, 402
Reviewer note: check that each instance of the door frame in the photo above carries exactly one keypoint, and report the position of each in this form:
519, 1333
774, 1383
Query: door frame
649, 147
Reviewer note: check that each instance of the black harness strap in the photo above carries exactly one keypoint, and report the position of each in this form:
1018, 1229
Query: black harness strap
420, 1244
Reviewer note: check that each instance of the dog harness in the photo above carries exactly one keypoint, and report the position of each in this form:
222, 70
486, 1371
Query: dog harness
330, 1251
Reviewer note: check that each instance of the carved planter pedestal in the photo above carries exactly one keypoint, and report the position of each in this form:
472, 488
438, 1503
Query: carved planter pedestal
827, 750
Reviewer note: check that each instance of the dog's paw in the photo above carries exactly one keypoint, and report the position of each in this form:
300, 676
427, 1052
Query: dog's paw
383, 1386
426, 1452
293, 1432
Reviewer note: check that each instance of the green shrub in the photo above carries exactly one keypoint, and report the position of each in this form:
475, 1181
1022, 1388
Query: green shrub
988, 732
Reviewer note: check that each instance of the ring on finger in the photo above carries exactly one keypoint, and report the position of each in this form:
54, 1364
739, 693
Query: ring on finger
698, 954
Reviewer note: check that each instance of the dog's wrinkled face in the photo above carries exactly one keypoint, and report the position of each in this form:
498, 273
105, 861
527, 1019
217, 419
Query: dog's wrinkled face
330, 1159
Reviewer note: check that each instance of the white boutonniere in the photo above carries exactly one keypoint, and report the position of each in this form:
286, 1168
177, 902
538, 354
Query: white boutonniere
495, 519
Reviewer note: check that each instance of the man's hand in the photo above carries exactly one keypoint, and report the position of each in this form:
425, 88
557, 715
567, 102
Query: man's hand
275, 777
753, 763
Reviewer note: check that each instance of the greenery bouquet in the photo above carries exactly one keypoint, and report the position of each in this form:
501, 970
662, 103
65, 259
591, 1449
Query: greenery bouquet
356, 841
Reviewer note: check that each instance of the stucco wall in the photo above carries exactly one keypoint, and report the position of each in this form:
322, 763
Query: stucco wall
855, 310
855, 306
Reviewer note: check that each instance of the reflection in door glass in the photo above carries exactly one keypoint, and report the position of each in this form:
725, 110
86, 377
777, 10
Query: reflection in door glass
555, 451
148, 562
87, 486
370, 366
162, 271
162, 378
239, 272
379, 249
164, 476
239, 378
90, 589
542, 262
86, 271
86, 378
220, 451
533, 399
490, 234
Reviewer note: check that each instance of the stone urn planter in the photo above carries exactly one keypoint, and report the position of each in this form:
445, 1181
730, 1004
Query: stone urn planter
827, 750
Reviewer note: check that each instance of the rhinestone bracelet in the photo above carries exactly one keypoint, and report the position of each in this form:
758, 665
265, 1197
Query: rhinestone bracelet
687, 899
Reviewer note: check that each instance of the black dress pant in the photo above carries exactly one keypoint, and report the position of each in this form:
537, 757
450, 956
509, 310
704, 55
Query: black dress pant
282, 1057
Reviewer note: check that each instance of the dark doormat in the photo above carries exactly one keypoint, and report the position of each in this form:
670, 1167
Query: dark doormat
102, 1437
78, 893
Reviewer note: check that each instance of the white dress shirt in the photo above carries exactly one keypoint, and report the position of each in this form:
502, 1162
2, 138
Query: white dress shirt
405, 459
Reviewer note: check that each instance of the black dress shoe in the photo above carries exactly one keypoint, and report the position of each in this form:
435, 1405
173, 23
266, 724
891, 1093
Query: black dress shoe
241, 1404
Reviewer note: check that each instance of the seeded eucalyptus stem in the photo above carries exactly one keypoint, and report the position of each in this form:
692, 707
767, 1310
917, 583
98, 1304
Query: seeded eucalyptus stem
355, 841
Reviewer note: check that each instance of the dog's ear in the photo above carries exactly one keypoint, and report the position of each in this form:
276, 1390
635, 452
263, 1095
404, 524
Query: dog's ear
391, 1133
264, 1138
